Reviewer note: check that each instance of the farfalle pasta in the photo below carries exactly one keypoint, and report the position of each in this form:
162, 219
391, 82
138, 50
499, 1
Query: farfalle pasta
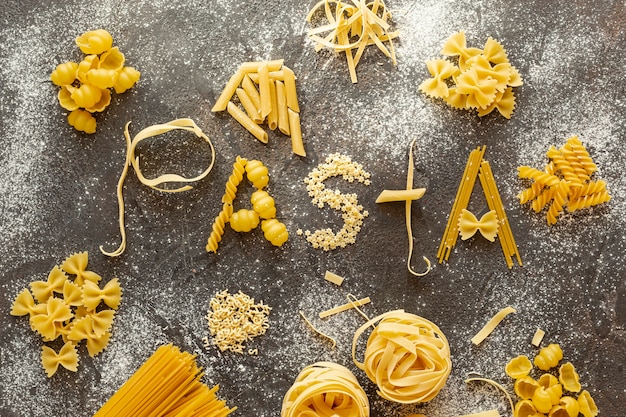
325, 389
71, 305
86, 86
480, 79
487, 225
566, 182
407, 357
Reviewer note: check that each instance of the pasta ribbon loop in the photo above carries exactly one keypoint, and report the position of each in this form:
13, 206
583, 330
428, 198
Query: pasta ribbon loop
407, 357
487, 225
67, 358
325, 389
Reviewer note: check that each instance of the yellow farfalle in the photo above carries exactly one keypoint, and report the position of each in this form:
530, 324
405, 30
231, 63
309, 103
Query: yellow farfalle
72, 294
487, 225
111, 294
76, 264
101, 322
43, 290
481, 92
67, 358
56, 311
25, 304
95, 345
81, 329
440, 69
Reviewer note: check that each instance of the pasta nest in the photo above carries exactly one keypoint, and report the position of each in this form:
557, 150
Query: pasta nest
325, 389
407, 357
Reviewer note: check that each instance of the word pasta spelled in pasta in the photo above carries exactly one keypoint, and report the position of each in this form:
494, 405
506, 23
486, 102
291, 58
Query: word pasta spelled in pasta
350, 26
167, 384
235, 319
263, 208
565, 182
73, 309
548, 394
407, 357
481, 79
86, 86
266, 91
325, 389
352, 212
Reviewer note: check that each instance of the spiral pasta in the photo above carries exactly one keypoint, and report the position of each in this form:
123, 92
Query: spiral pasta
217, 229
565, 182
325, 389
407, 356
239, 169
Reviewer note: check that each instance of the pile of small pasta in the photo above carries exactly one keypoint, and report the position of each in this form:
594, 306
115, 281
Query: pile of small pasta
244, 220
482, 79
267, 92
86, 86
81, 311
544, 396
564, 182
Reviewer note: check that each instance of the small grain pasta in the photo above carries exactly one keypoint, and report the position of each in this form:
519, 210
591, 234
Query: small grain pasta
548, 357
325, 389
244, 220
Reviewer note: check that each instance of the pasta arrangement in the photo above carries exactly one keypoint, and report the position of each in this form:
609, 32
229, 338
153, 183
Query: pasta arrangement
545, 396
482, 79
71, 309
352, 212
565, 182
266, 91
407, 357
158, 182
234, 319
407, 195
325, 389
459, 222
263, 207
86, 86
166, 384
352, 26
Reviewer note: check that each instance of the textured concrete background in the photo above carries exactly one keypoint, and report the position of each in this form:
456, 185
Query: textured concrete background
58, 196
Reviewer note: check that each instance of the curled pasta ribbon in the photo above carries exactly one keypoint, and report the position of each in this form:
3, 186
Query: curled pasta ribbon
111, 294
325, 389
487, 225
67, 358
155, 183
43, 290
407, 356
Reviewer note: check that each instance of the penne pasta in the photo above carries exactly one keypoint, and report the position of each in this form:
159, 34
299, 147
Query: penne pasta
281, 107
247, 122
296, 133
253, 112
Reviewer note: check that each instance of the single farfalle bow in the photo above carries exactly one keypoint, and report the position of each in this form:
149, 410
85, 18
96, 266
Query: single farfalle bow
67, 358
487, 225
111, 294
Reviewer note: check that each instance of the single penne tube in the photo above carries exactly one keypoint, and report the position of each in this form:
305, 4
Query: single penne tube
264, 91
296, 133
290, 89
274, 65
228, 92
281, 107
272, 116
248, 85
274, 75
387, 196
246, 122
254, 112
344, 307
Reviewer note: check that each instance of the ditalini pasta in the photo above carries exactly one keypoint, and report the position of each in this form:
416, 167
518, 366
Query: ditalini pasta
483, 80
538, 337
154, 183
166, 384
491, 325
86, 86
325, 389
566, 182
351, 27
407, 195
70, 305
407, 357
267, 92
334, 278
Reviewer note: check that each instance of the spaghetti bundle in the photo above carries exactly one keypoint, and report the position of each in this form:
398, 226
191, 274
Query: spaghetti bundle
167, 384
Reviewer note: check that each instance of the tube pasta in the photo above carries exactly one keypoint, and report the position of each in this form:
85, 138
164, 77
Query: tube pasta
155, 183
281, 105
325, 389
247, 122
297, 145
252, 111
407, 356
491, 325
387, 196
